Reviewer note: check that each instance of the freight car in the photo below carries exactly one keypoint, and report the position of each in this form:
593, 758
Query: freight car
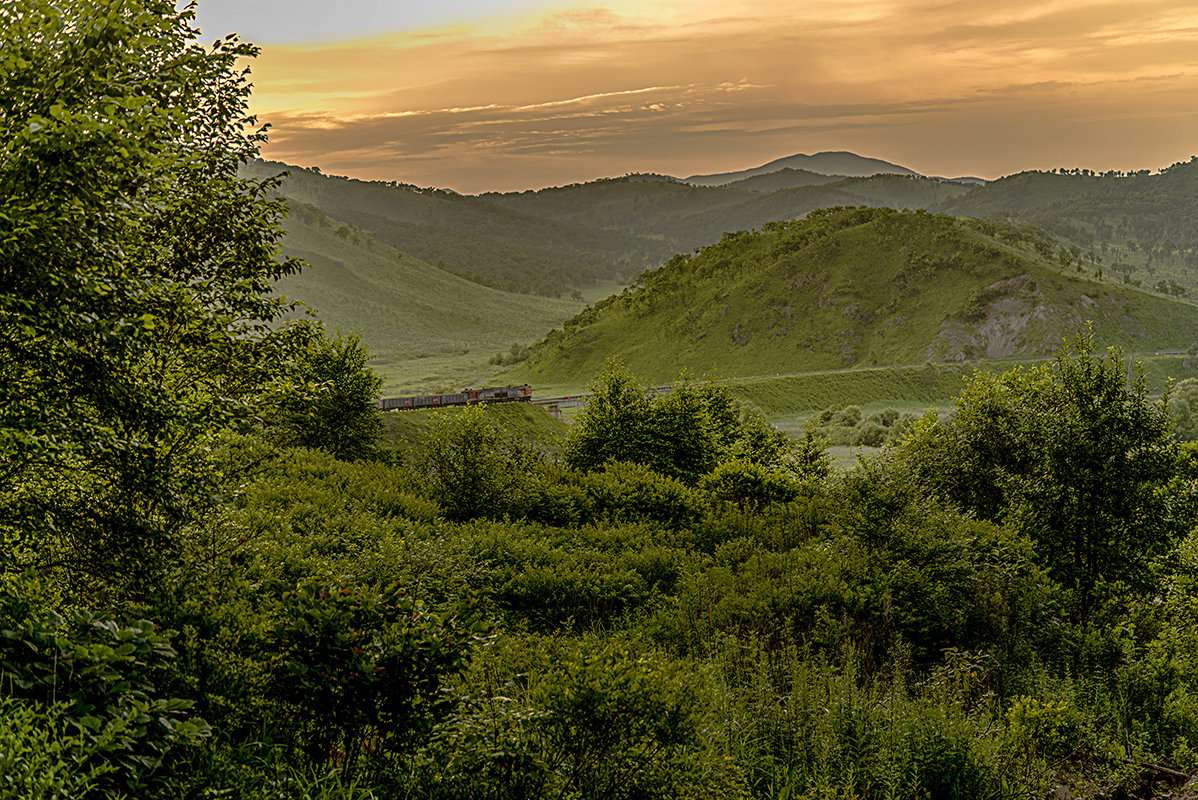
489, 394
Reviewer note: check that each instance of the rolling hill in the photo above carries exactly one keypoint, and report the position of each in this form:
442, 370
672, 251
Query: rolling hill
683, 216
785, 178
855, 286
428, 329
1142, 226
652, 209
1106, 235
470, 236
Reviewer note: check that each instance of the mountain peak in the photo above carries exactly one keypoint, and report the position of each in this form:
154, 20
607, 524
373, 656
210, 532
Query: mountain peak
837, 162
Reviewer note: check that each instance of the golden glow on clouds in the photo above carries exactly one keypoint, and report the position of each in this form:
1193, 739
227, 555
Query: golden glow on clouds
944, 87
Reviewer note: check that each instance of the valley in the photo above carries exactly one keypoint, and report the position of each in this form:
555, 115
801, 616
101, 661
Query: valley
877, 484
705, 274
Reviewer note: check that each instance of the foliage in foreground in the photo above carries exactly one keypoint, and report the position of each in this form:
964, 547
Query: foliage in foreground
621, 633
684, 605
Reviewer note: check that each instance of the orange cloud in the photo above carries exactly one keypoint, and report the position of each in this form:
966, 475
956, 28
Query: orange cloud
945, 88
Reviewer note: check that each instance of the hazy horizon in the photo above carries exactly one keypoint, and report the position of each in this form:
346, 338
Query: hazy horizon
481, 95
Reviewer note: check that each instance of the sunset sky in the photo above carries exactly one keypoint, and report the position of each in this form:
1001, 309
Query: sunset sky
477, 95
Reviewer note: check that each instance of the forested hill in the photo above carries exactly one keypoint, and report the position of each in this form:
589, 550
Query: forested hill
1141, 226
469, 236
857, 286
688, 216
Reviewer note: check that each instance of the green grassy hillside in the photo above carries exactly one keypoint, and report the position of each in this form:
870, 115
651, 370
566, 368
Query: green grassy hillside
854, 287
408, 431
427, 328
466, 235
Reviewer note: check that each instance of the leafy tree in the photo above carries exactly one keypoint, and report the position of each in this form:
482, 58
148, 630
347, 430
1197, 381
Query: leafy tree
1073, 454
135, 280
612, 426
473, 469
334, 406
1183, 402
671, 432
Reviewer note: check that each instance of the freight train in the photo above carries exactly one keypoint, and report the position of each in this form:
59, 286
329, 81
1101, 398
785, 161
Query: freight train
489, 394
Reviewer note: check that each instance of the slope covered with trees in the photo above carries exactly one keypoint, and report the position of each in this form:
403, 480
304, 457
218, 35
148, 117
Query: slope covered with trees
467, 235
1138, 226
856, 286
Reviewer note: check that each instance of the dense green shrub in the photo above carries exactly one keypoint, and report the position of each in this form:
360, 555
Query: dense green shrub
808, 727
847, 426
473, 470
599, 719
96, 676
749, 485
41, 759
362, 671
331, 399
671, 432
1073, 454
632, 493
1183, 410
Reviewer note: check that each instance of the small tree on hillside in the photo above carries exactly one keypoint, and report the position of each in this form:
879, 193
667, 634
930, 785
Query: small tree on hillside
671, 432
683, 432
474, 471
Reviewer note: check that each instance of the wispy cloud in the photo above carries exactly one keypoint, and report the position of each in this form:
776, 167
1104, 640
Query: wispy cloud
941, 86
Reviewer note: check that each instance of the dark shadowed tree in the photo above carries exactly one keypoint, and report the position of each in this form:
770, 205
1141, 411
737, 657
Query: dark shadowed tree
1073, 454
135, 280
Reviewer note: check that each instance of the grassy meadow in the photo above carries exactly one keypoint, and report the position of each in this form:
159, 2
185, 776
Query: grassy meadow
428, 330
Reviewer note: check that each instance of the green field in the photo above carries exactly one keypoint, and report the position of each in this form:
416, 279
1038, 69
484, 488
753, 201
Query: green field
427, 329
789, 400
407, 431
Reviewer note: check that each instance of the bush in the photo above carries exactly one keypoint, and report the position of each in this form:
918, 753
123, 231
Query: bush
632, 493
670, 432
749, 485
473, 470
805, 726
41, 760
363, 671
98, 674
331, 400
1073, 454
597, 720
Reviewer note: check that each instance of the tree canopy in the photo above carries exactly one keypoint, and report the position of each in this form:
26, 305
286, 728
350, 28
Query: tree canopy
1072, 453
135, 277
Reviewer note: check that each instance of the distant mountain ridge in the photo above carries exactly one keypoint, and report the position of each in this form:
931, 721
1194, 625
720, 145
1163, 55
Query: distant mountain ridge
785, 178
839, 162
